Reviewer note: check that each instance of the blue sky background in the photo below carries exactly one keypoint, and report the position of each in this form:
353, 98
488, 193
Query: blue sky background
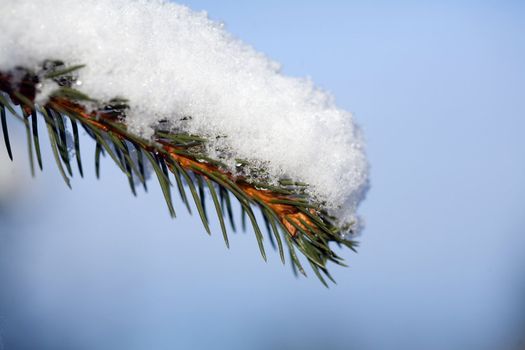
438, 88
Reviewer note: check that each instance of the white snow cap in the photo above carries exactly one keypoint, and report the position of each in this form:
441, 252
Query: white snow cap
171, 62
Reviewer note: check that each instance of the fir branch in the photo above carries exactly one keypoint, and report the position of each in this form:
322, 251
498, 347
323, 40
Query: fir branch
290, 217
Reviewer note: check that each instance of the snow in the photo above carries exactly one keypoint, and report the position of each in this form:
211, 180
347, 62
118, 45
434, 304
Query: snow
171, 62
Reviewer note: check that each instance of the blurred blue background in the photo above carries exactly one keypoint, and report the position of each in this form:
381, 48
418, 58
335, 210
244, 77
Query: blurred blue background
438, 88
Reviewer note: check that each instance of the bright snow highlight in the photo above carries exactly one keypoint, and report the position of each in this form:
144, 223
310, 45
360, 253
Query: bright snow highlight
171, 62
